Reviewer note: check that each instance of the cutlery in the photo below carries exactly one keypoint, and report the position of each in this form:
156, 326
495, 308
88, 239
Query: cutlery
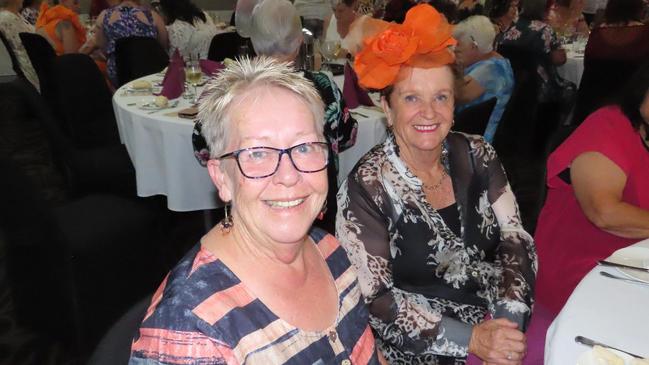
605, 274
588, 342
169, 106
615, 264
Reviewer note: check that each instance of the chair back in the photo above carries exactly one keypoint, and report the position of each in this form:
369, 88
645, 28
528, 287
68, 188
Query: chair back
519, 118
474, 119
12, 55
601, 83
41, 54
115, 346
83, 101
138, 56
227, 45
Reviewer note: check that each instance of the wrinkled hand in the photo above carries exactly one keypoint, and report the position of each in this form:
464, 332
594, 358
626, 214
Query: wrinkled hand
498, 342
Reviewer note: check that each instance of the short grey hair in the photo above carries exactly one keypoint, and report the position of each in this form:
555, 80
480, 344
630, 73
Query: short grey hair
237, 79
275, 28
478, 29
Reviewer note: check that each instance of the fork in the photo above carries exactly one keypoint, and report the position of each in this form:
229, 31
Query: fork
611, 276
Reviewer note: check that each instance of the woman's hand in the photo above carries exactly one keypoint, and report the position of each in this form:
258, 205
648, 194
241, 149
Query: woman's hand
498, 341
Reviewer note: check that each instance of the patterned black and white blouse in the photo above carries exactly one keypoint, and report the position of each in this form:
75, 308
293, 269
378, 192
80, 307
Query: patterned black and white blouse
426, 285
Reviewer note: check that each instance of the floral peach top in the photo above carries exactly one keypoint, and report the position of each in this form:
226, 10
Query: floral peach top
427, 281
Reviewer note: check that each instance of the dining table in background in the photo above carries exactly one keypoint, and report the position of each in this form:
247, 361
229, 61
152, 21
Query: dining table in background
610, 311
371, 131
573, 69
160, 146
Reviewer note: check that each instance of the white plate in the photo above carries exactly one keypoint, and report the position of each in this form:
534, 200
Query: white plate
588, 358
151, 105
632, 256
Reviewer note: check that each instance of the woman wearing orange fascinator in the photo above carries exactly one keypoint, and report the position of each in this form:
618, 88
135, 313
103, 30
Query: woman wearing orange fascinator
428, 217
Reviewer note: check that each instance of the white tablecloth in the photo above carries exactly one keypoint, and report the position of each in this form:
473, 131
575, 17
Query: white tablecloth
371, 131
610, 311
573, 69
160, 147
161, 150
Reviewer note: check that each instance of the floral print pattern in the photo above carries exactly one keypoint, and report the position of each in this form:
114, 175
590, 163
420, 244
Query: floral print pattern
390, 231
127, 25
191, 39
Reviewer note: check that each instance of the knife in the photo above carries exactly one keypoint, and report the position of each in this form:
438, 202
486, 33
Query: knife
588, 342
614, 264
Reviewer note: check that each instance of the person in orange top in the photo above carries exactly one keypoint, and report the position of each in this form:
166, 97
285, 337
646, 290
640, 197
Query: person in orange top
61, 26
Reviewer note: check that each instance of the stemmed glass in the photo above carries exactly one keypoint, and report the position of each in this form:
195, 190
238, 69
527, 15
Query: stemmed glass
193, 75
329, 51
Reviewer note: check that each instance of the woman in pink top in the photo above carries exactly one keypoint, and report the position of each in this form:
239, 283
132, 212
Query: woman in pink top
598, 197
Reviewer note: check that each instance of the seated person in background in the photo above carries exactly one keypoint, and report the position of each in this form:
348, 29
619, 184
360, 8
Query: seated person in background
30, 10
218, 306
486, 73
428, 218
125, 19
597, 200
529, 32
622, 35
11, 25
503, 14
338, 24
467, 8
60, 25
565, 17
277, 32
190, 29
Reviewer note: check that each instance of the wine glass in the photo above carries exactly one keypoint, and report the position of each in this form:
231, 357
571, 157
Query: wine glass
193, 75
329, 51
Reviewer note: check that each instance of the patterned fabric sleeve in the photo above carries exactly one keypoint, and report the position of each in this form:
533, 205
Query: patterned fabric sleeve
516, 253
403, 319
340, 126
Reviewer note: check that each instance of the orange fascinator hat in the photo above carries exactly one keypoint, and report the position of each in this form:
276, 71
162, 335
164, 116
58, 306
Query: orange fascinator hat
423, 41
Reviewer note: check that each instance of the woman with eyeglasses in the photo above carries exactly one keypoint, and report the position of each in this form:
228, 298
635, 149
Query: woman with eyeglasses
262, 287
276, 31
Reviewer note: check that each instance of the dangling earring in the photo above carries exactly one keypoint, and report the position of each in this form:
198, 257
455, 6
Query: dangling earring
226, 223
453, 122
322, 211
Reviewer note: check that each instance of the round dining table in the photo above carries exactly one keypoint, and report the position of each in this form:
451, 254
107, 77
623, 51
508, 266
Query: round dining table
611, 311
573, 69
159, 144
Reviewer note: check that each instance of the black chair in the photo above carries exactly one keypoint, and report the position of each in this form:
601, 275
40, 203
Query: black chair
41, 54
474, 119
601, 82
516, 127
12, 55
115, 346
138, 56
87, 256
228, 45
87, 168
83, 101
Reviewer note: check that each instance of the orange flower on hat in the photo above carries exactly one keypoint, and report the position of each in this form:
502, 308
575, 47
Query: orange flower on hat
381, 58
422, 41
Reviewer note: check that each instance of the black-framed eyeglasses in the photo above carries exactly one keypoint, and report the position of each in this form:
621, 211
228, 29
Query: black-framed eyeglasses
260, 162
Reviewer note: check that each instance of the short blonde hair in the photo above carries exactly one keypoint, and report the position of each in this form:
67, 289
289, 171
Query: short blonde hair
478, 29
239, 78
